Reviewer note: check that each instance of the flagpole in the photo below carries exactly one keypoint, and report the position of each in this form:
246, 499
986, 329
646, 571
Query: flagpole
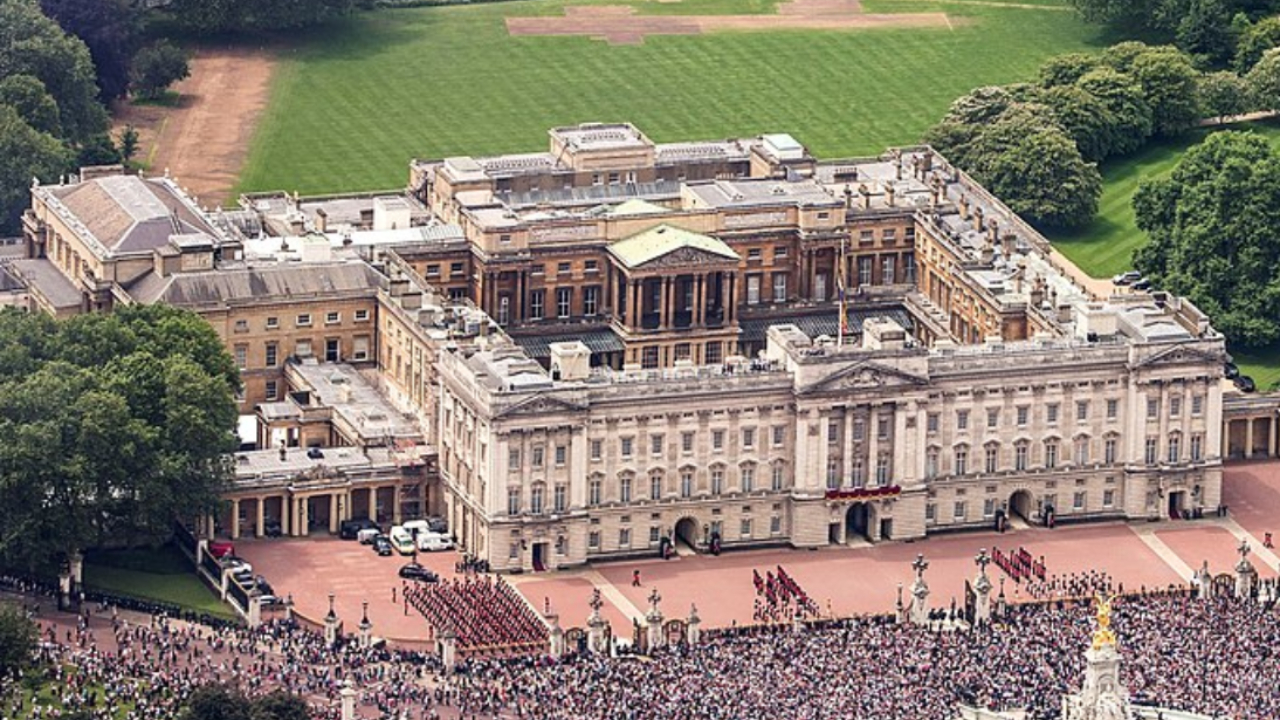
840, 280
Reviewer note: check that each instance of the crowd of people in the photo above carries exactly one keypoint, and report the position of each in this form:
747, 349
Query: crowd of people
481, 611
1073, 585
779, 597
1019, 564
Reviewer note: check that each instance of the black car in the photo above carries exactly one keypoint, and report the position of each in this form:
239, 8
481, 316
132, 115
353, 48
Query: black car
349, 529
382, 545
1246, 384
1142, 285
272, 528
1230, 371
414, 571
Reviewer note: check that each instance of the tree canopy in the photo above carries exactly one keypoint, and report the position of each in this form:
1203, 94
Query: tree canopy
1215, 234
115, 425
219, 702
111, 29
25, 153
220, 16
17, 640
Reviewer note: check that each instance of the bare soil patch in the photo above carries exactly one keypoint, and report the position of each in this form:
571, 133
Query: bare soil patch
204, 139
618, 24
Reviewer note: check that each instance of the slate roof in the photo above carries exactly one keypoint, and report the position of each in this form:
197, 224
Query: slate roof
128, 214
234, 285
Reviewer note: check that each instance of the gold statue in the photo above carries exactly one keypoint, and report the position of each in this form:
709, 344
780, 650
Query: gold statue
1104, 636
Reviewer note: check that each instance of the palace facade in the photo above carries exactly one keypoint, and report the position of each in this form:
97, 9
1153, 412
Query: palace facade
618, 345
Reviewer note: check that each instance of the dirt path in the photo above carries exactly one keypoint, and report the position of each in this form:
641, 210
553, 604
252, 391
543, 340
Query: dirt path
203, 141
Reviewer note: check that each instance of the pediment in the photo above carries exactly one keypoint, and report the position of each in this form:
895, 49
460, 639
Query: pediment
864, 376
1180, 355
540, 405
685, 256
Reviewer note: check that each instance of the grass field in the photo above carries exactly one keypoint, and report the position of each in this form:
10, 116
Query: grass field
162, 574
351, 104
1105, 246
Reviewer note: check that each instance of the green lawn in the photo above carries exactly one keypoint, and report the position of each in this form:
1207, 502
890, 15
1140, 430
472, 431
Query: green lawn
1262, 365
352, 103
162, 574
1105, 246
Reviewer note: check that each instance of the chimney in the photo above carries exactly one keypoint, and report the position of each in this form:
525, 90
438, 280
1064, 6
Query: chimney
322, 221
1037, 293
988, 254
848, 197
964, 207
866, 196
284, 452
977, 219
889, 192
1007, 243
993, 230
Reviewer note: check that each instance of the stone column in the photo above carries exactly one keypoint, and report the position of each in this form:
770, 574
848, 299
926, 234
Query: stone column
348, 694
395, 505
1248, 438
260, 528
449, 650
596, 625
1245, 573
557, 636
1271, 436
331, 625
873, 443
653, 620
235, 519
693, 631
982, 588
333, 513
1204, 582
254, 611
920, 593
366, 627
848, 446
664, 310
635, 308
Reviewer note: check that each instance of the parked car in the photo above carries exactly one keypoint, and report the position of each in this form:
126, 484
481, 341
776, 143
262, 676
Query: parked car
437, 525
1246, 384
431, 542
263, 586
402, 540
1230, 371
350, 529
272, 528
1142, 285
366, 536
220, 549
1127, 277
416, 527
382, 545
414, 571
236, 564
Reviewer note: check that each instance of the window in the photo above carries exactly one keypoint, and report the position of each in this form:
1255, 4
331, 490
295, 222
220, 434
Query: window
931, 422
590, 266
513, 501
625, 445
748, 478
867, 236
242, 326
779, 287
242, 356
597, 449
1153, 408
655, 534
909, 263
1078, 501
655, 444
513, 551
889, 235
779, 435
273, 323
858, 476
993, 458
711, 355
1051, 454
593, 492
649, 357
624, 488
504, 309
833, 475
1197, 404
590, 300
686, 442
332, 352
1175, 447
560, 498
748, 437
273, 352
513, 459
746, 527
988, 508
717, 439
717, 481
362, 315
1175, 406
273, 390
962, 460
536, 498
455, 268
1109, 450
882, 428
1082, 451
753, 289
537, 304
564, 298
864, 271
993, 418
930, 513
360, 347
1113, 408
686, 484
1196, 442
593, 540
886, 267
1020, 455
961, 510
1082, 410
537, 456
931, 463
962, 419
561, 453
433, 270
563, 268
775, 525
1023, 411
1149, 455
1051, 413
833, 431
304, 320
882, 470
754, 254
655, 486
778, 479
332, 318
303, 348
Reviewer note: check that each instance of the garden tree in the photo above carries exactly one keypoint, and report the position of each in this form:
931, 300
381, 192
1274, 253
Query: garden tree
1168, 82
158, 66
280, 706
1263, 81
26, 95
1206, 30
1223, 94
1256, 40
1123, 98
1083, 117
128, 146
25, 153
218, 702
218, 16
1214, 224
111, 29
32, 44
1067, 69
17, 640
115, 425
99, 149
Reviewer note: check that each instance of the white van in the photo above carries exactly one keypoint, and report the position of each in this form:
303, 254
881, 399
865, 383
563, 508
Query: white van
417, 527
366, 536
402, 540
431, 542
